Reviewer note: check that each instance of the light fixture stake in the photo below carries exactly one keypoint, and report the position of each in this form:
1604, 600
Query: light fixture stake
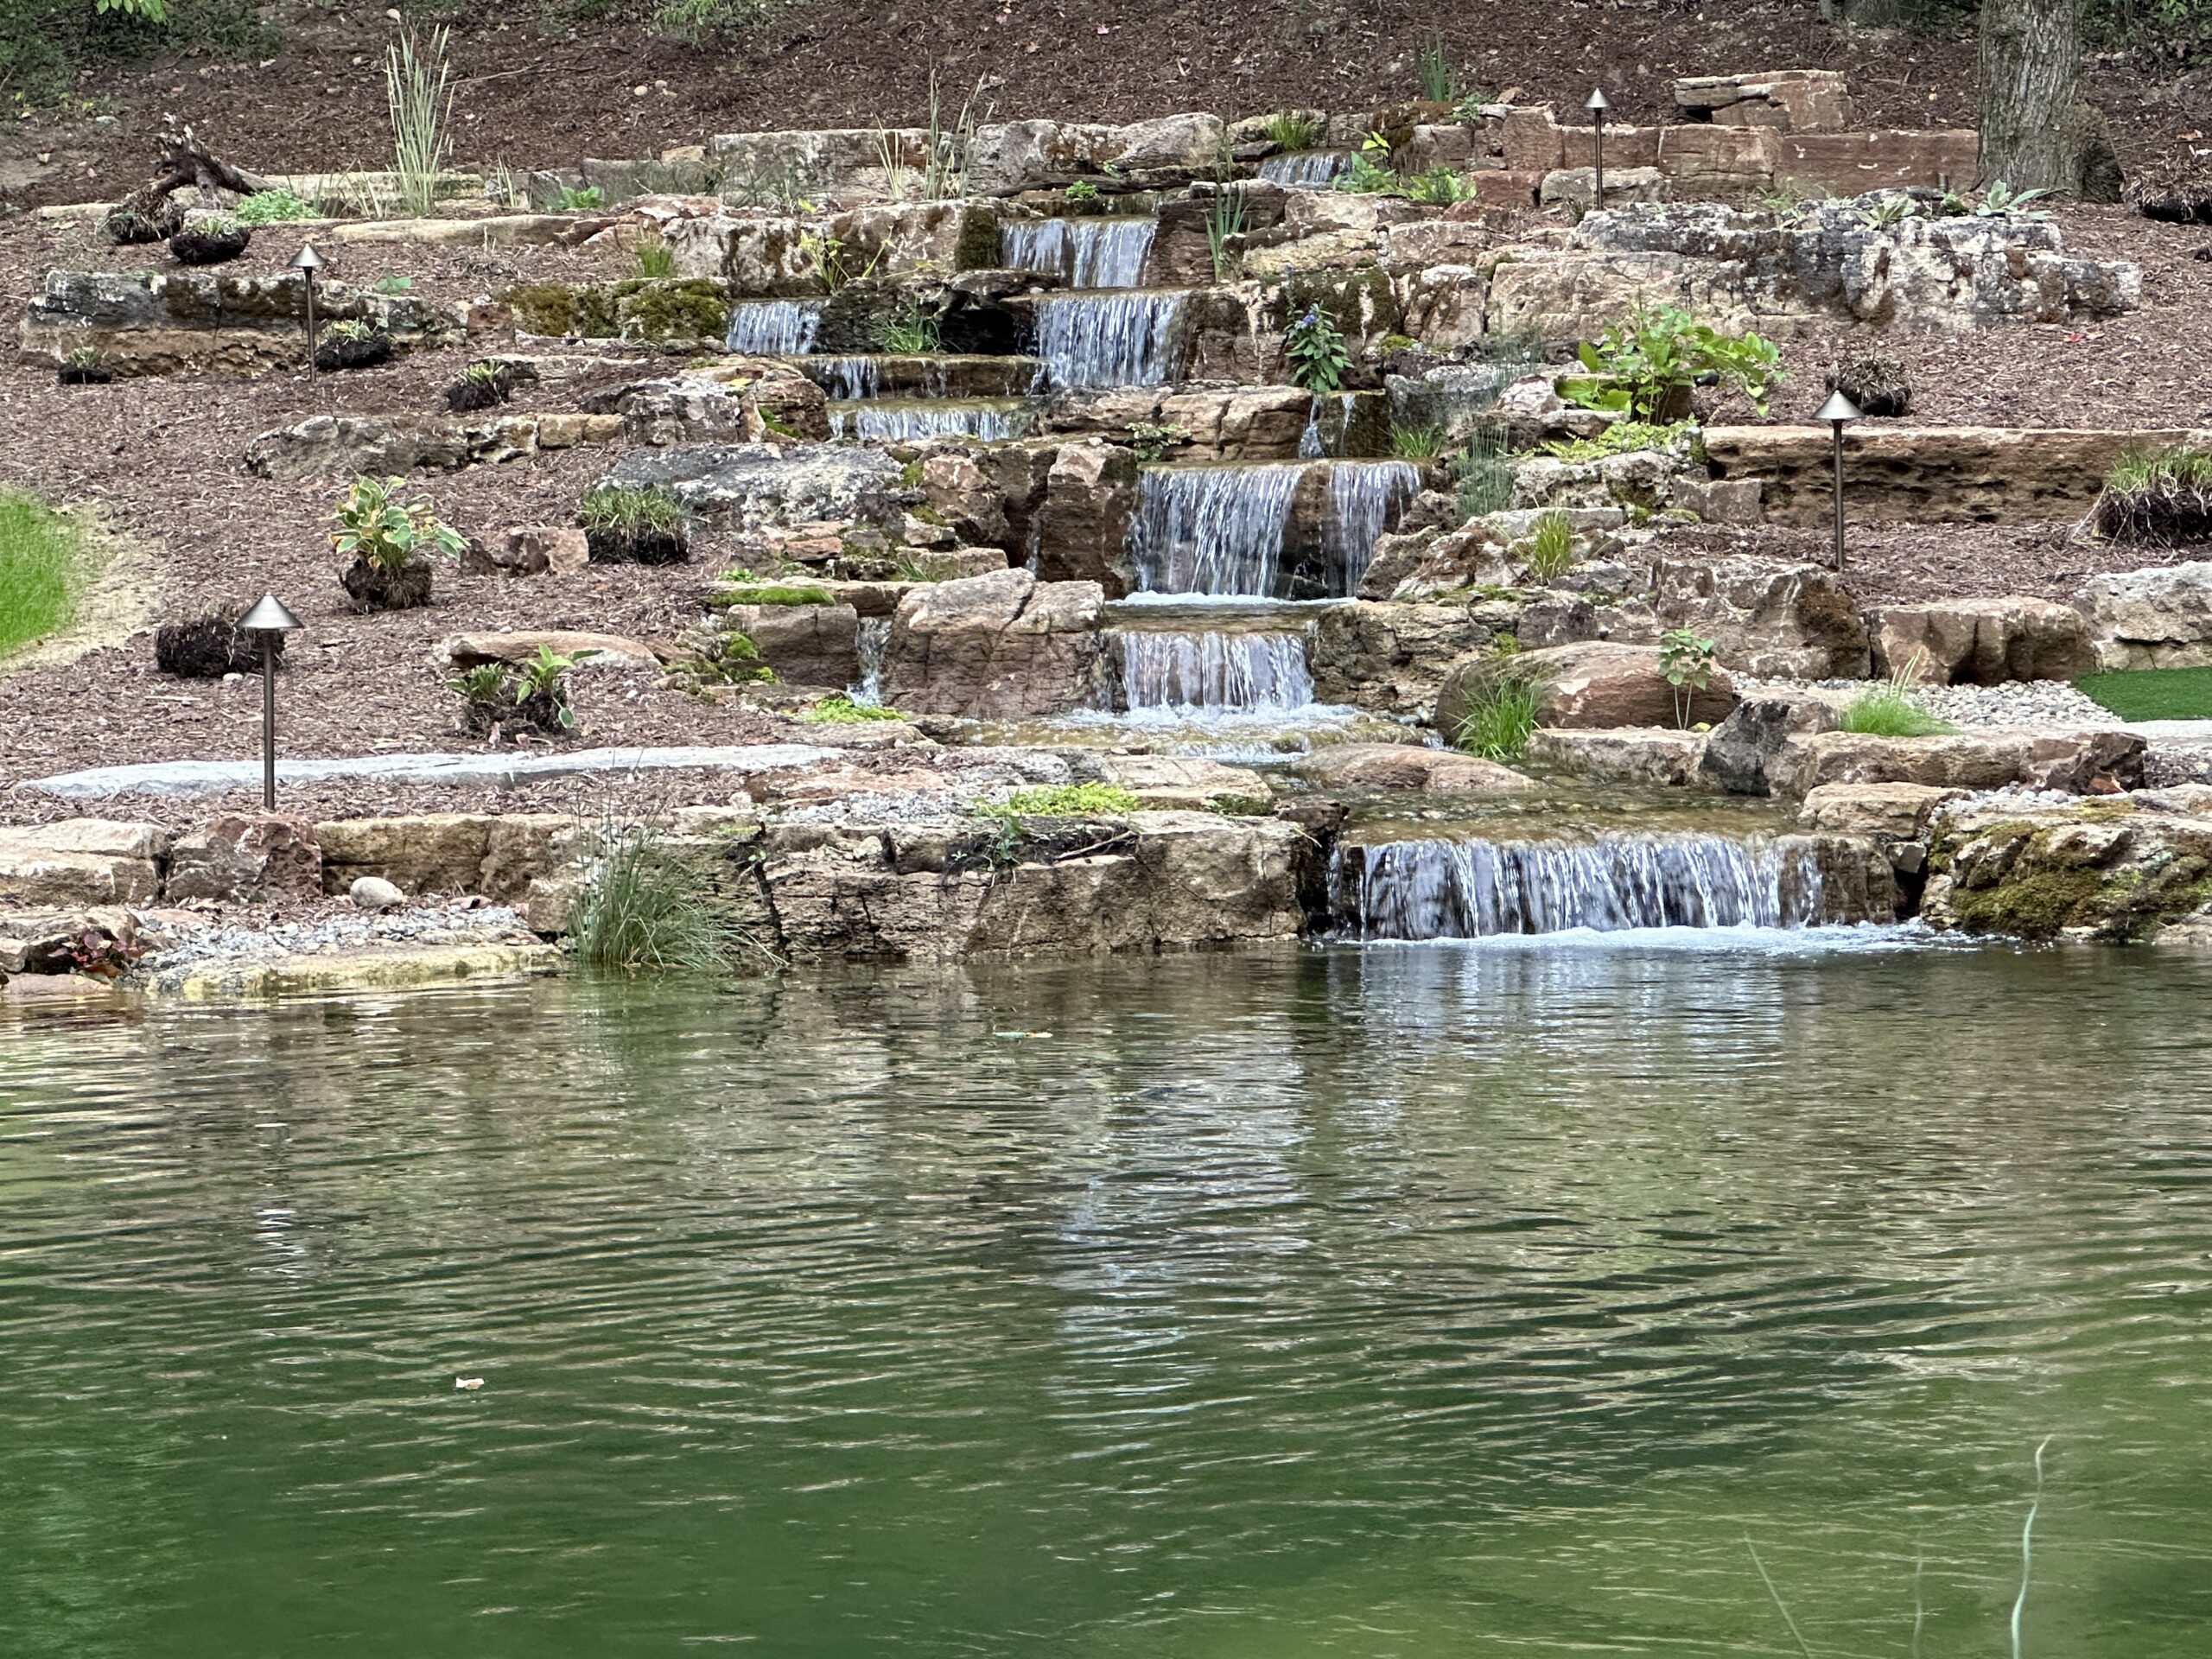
307, 262
271, 622
1598, 105
1836, 411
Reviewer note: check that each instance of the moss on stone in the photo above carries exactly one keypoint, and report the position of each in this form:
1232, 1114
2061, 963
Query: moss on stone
2035, 906
678, 308
542, 308
977, 248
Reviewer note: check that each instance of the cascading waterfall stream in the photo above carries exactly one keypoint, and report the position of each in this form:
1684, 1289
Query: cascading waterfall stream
775, 327
1086, 252
903, 420
1212, 529
848, 379
1364, 496
873, 634
1479, 889
1215, 672
1309, 169
1113, 339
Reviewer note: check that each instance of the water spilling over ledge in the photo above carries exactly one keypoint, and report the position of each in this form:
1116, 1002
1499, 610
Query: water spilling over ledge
1212, 529
1479, 889
1109, 339
1215, 672
775, 327
892, 420
1086, 252
1309, 169
1365, 497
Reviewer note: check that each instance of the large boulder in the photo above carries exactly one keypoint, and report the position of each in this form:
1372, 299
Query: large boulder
746, 486
1627, 754
1982, 641
82, 861
1773, 620
2076, 762
1600, 683
745, 405
1080, 530
497, 855
1739, 750
806, 645
246, 858
2160, 618
1395, 658
1882, 811
2123, 870
997, 646
1404, 766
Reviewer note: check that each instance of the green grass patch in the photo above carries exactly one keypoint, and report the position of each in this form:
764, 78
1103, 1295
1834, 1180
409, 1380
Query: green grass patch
770, 593
41, 559
2152, 693
1064, 801
1892, 711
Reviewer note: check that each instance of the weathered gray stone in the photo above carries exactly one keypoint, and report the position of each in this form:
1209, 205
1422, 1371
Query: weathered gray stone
2160, 618
2112, 869
745, 486
1407, 767
339, 446
2076, 762
1602, 684
1738, 750
82, 861
1628, 754
806, 645
374, 893
1393, 658
1886, 812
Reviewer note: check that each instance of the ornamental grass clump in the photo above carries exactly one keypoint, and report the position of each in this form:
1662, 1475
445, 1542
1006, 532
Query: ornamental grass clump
1551, 548
418, 89
352, 343
1500, 708
1891, 709
1482, 474
209, 238
644, 908
633, 525
2157, 498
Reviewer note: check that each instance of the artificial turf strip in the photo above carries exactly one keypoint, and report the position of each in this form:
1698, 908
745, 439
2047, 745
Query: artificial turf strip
2152, 693
40, 552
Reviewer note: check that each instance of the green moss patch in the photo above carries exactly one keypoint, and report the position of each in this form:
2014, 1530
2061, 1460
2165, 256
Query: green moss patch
1064, 801
770, 593
42, 558
2152, 693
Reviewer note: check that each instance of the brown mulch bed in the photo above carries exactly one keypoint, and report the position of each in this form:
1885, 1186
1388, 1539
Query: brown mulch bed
1890, 563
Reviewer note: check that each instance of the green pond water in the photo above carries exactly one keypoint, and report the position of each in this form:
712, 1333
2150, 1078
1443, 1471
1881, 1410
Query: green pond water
1418, 1301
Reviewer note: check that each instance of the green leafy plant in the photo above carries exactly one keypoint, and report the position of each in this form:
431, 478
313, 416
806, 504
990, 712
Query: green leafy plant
910, 333
1551, 548
2001, 201
1154, 441
375, 526
1316, 351
578, 198
1439, 185
1623, 436
1891, 207
1225, 226
1369, 171
1686, 659
654, 258
1417, 443
392, 284
418, 88
271, 207
1293, 129
1650, 360
1500, 710
834, 267
1083, 190
1063, 801
839, 709
1440, 80
1482, 474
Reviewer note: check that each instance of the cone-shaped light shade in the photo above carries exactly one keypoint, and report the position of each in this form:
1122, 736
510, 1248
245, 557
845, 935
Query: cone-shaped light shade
1598, 103
1838, 408
269, 616
307, 258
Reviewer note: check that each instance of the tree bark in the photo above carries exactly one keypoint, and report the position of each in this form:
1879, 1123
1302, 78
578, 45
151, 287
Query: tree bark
2037, 132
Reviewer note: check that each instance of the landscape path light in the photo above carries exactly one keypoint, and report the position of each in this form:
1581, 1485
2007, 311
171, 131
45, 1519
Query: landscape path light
1836, 411
270, 620
1598, 105
307, 262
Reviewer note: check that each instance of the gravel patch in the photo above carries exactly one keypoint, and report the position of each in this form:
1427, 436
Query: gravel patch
489, 924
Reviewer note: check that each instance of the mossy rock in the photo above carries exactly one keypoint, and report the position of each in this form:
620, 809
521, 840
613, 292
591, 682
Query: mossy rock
670, 307
978, 246
1360, 302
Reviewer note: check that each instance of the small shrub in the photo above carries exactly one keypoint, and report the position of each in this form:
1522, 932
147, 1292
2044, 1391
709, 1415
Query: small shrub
84, 366
386, 537
1288, 130
654, 258
839, 709
485, 384
643, 908
1083, 190
1501, 711
627, 524
2157, 498
2001, 201
1439, 185
392, 284
1417, 443
271, 207
1651, 359
1369, 171
910, 333
1686, 659
1551, 548
499, 700
1482, 474
1891, 207
1316, 351
1064, 801
578, 198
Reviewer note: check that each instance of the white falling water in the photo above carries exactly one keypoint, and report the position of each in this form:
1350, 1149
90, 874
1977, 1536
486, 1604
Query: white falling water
1108, 339
871, 636
775, 327
848, 378
1212, 529
1214, 672
1365, 498
1087, 252
894, 420
1476, 889
1305, 168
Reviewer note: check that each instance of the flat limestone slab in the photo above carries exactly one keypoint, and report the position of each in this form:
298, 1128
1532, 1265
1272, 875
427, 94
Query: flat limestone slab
321, 973
460, 771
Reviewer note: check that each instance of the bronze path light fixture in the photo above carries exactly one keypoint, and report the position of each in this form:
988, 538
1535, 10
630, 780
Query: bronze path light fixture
271, 622
1598, 105
1836, 411
307, 262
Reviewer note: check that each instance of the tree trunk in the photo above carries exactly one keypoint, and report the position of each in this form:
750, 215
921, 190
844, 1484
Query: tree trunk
2038, 132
